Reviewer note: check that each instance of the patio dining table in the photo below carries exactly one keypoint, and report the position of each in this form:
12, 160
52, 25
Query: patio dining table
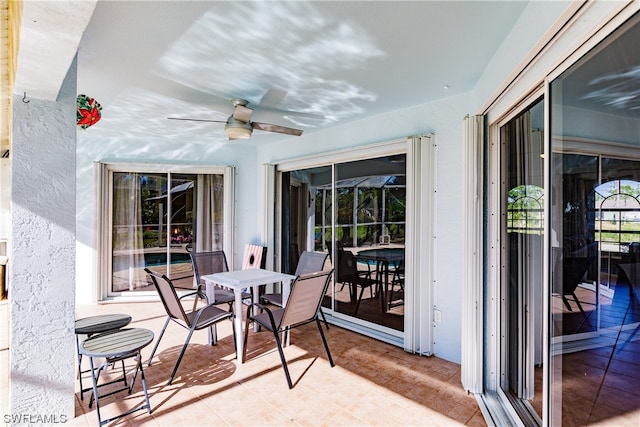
382, 258
240, 280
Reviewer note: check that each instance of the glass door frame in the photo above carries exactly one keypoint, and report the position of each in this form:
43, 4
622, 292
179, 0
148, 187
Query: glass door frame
105, 171
557, 50
418, 304
495, 320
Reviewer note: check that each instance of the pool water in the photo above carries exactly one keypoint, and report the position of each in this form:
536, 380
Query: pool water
159, 259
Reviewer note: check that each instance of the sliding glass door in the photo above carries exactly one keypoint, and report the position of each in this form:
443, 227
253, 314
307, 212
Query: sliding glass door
356, 212
157, 218
522, 227
595, 222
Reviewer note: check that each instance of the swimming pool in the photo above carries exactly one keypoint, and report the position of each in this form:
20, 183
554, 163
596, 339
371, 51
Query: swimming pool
159, 258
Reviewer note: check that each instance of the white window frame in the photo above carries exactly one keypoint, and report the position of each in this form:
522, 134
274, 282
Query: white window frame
105, 170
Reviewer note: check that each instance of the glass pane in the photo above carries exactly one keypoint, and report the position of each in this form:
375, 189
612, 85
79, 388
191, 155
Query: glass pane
181, 226
370, 201
523, 207
138, 228
574, 304
595, 179
155, 225
322, 219
344, 211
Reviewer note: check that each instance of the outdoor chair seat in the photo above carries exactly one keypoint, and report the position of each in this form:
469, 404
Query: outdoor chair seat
309, 262
204, 317
301, 308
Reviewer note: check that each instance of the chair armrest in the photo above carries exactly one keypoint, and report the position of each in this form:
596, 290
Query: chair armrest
262, 307
188, 295
257, 304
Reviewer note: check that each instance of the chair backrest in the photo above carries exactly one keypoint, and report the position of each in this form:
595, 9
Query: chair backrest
310, 262
305, 299
347, 266
255, 256
573, 270
568, 271
168, 296
208, 263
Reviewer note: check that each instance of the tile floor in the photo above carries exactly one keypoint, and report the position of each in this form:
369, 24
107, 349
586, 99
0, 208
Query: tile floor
372, 384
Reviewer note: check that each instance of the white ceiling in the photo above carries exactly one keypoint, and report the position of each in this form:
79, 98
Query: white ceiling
339, 61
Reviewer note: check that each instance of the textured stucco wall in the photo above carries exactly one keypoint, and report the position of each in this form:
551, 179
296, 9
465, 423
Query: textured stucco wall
42, 345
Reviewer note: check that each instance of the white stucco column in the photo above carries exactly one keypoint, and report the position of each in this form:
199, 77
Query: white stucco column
42, 273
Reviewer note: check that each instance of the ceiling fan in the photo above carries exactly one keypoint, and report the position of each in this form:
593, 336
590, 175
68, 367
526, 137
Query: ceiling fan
239, 124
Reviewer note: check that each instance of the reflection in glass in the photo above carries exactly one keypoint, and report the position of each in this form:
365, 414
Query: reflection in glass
366, 241
371, 199
523, 207
154, 225
595, 230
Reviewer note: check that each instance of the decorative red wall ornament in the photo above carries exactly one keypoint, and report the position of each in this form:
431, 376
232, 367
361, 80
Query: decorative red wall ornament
88, 112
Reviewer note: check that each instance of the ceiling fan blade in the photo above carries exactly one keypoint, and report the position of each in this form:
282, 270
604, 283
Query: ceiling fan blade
272, 97
275, 128
242, 113
197, 120
292, 113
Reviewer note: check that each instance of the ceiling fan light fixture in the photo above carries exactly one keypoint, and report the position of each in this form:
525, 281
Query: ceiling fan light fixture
236, 129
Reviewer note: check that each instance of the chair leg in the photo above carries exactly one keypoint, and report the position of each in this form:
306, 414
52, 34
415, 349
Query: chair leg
359, 299
324, 341
282, 358
213, 334
566, 303
184, 348
246, 334
153, 352
575, 298
324, 319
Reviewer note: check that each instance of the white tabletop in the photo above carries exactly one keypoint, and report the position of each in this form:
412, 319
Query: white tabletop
246, 278
239, 280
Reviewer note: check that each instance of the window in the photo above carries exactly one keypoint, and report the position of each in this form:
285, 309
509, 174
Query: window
525, 209
156, 218
617, 215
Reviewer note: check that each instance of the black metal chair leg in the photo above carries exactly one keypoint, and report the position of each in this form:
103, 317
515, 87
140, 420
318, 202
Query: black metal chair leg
155, 347
566, 303
324, 341
282, 359
358, 302
184, 348
575, 298
324, 319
